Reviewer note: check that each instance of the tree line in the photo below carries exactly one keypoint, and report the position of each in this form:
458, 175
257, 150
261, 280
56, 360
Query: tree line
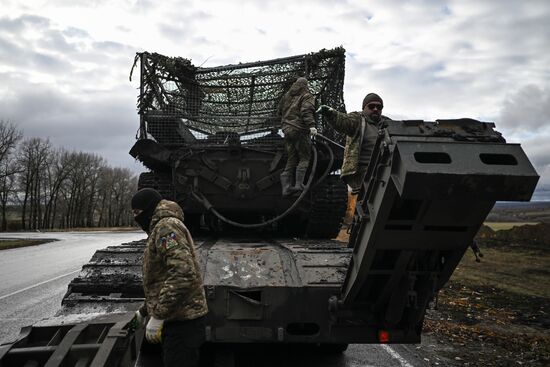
53, 188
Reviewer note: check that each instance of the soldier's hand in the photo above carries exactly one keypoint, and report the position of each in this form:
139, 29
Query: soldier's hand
137, 321
323, 109
312, 131
153, 331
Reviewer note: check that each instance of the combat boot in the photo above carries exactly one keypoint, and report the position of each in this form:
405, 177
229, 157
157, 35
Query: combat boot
285, 183
300, 175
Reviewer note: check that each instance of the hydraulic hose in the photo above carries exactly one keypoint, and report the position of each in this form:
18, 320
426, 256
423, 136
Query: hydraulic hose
329, 167
210, 208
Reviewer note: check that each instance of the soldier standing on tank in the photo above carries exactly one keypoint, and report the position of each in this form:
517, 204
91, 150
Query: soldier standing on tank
297, 110
361, 129
174, 295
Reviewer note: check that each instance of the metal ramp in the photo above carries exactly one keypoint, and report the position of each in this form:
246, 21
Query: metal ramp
103, 341
430, 187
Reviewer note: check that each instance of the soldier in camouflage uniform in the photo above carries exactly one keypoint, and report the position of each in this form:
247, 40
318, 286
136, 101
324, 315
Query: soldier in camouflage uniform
174, 293
361, 129
297, 110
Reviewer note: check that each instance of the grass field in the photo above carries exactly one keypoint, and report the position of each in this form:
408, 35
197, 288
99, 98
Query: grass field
14, 243
495, 313
497, 226
522, 271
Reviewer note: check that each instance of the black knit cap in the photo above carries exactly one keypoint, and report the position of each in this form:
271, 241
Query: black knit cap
147, 200
372, 97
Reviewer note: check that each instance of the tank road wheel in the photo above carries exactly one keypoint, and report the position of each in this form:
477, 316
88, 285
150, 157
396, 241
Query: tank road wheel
328, 207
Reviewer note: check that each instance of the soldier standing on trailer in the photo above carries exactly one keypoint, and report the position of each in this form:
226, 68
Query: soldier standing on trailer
172, 282
297, 111
361, 129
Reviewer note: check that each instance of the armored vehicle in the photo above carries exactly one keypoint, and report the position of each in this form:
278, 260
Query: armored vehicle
211, 138
271, 272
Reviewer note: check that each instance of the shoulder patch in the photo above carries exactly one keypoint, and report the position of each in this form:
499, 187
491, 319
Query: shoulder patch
169, 241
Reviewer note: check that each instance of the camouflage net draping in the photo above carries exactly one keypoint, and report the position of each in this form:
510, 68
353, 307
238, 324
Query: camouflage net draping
239, 99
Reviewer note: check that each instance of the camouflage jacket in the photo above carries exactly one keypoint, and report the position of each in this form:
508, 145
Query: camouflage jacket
171, 274
354, 125
297, 108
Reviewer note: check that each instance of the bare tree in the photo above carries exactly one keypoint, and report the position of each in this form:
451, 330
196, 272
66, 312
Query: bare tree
9, 138
34, 155
57, 188
7, 186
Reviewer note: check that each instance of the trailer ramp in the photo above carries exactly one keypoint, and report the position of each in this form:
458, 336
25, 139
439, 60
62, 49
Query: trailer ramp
428, 190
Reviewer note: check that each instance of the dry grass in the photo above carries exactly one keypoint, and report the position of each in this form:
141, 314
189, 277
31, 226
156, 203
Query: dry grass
519, 270
497, 226
14, 243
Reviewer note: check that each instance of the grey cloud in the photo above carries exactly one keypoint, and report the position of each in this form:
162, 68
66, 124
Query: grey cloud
82, 3
200, 15
109, 46
103, 122
8, 50
16, 25
176, 29
144, 5
174, 33
202, 41
55, 40
282, 47
526, 110
75, 32
44, 62
357, 15
22, 57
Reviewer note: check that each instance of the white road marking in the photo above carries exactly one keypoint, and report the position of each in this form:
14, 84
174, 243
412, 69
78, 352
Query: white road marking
38, 284
402, 361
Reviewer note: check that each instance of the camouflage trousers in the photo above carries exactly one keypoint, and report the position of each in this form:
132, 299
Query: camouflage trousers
298, 149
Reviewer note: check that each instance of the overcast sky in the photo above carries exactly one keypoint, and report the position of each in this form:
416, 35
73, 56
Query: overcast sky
64, 64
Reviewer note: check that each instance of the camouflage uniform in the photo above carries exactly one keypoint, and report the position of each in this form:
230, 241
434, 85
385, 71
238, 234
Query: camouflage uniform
171, 275
362, 133
173, 286
297, 110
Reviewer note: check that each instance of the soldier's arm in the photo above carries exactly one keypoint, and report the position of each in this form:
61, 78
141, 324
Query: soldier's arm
177, 253
307, 110
344, 123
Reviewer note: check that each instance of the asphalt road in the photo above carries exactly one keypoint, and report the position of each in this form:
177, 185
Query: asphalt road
34, 280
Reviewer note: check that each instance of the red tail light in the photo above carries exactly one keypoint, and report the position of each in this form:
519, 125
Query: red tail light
383, 336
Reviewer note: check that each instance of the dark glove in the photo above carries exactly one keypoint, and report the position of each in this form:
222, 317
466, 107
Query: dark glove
138, 321
324, 109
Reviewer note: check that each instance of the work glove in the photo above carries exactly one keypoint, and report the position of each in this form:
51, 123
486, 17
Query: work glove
324, 109
312, 131
153, 331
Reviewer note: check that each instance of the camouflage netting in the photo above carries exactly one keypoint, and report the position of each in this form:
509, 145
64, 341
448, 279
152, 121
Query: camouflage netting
234, 99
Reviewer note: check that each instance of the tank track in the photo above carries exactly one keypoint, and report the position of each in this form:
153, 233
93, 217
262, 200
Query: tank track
328, 207
161, 183
321, 218
110, 282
